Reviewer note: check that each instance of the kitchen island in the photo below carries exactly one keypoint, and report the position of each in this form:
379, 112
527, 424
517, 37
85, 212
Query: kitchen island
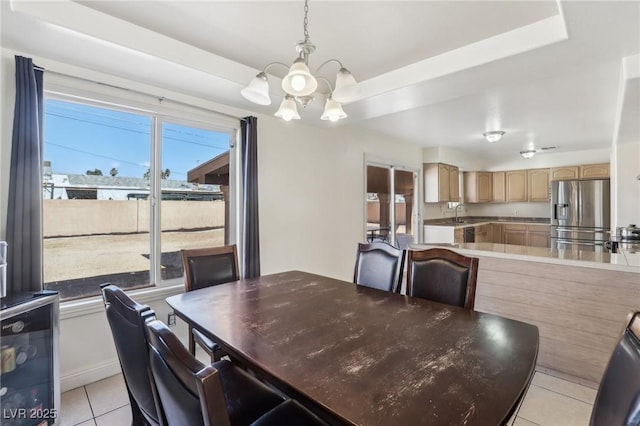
578, 300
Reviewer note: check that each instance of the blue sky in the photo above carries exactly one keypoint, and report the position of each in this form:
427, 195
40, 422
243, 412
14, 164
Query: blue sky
79, 138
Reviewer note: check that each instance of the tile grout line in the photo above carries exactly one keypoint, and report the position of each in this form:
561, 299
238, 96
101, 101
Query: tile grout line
110, 411
568, 396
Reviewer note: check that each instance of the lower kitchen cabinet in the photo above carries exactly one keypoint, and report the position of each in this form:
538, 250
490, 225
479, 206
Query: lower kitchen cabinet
497, 233
515, 234
538, 235
483, 233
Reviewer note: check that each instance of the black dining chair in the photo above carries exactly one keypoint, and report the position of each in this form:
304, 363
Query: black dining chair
219, 394
379, 265
618, 398
207, 267
443, 276
127, 322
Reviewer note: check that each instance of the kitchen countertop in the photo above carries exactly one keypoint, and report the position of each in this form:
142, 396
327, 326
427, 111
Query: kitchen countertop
624, 260
481, 220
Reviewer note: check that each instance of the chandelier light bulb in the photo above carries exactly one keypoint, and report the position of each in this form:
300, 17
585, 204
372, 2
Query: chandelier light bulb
258, 90
298, 82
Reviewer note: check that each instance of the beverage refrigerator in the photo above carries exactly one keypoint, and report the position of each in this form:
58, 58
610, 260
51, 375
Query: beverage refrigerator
29, 374
580, 214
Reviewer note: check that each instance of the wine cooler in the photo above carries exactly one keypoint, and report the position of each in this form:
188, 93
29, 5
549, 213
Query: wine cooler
29, 370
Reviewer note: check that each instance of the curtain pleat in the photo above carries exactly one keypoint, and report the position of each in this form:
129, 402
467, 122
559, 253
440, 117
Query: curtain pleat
250, 222
24, 213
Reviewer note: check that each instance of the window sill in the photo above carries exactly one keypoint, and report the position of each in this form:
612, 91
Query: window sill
94, 305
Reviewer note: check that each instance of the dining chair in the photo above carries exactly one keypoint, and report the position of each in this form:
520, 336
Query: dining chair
206, 267
379, 265
127, 322
618, 398
219, 394
443, 276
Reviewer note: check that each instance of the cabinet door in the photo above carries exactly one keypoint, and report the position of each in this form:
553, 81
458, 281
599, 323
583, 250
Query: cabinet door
483, 234
458, 236
484, 186
561, 173
516, 238
516, 183
444, 183
538, 180
499, 190
538, 239
454, 184
590, 171
496, 233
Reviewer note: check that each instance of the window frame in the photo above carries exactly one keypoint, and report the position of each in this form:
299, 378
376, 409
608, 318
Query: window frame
164, 112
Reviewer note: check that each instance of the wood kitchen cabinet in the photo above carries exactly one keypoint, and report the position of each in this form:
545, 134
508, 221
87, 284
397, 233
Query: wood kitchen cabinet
538, 185
458, 236
478, 187
441, 183
592, 171
516, 185
563, 173
499, 188
483, 233
538, 235
515, 234
497, 231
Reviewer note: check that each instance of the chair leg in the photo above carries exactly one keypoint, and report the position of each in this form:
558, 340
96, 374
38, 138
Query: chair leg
192, 342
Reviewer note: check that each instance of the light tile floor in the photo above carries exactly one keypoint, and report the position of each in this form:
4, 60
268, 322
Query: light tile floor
550, 401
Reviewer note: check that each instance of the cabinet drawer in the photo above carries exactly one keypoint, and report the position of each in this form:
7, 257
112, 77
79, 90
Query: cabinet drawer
515, 227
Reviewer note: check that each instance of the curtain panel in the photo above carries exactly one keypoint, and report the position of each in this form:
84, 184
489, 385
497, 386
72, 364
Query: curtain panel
24, 212
250, 223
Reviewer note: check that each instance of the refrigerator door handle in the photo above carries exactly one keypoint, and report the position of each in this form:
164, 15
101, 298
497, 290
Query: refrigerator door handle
580, 243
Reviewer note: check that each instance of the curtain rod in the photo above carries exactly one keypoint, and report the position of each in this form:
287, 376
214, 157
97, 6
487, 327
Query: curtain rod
159, 98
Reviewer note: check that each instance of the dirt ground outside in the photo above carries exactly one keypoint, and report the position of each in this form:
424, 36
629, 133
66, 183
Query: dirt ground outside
73, 261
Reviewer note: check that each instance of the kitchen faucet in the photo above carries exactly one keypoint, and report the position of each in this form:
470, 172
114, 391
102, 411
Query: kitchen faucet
456, 220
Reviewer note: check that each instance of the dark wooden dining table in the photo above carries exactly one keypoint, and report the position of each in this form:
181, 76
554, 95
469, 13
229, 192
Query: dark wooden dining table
360, 356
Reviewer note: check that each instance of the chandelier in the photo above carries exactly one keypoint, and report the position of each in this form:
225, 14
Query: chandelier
300, 84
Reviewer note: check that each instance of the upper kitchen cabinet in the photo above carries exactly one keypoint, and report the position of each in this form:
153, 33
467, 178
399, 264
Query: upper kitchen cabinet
594, 171
563, 173
478, 187
538, 181
499, 187
516, 184
441, 183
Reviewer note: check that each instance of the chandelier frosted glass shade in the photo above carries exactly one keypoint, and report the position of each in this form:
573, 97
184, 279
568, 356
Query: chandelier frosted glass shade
258, 90
528, 153
332, 111
347, 88
288, 110
299, 81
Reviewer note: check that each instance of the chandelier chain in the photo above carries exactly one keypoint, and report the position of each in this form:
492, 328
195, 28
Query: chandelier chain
306, 20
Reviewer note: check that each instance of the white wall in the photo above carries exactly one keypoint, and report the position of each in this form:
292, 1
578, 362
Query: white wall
320, 175
7, 98
627, 174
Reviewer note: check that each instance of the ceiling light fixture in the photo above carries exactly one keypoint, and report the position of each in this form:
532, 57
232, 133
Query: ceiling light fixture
300, 84
528, 153
493, 136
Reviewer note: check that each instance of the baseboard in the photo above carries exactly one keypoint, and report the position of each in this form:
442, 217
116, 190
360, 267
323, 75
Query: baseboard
89, 374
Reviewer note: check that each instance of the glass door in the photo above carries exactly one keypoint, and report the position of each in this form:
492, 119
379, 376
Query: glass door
391, 211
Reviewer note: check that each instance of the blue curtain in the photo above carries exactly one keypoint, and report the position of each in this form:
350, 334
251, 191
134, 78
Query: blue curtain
250, 223
24, 213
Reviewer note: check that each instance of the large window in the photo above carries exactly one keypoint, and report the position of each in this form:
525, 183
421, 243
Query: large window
125, 191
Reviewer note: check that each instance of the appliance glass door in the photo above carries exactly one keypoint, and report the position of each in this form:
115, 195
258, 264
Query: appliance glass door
594, 203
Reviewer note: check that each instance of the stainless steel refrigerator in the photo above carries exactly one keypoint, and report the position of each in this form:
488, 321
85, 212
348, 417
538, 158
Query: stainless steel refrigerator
580, 214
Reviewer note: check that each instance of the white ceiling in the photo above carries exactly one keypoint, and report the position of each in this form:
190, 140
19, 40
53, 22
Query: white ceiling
434, 73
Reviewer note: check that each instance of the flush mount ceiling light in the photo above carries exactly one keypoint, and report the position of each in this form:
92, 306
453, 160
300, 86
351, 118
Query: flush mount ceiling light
528, 153
493, 136
300, 84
